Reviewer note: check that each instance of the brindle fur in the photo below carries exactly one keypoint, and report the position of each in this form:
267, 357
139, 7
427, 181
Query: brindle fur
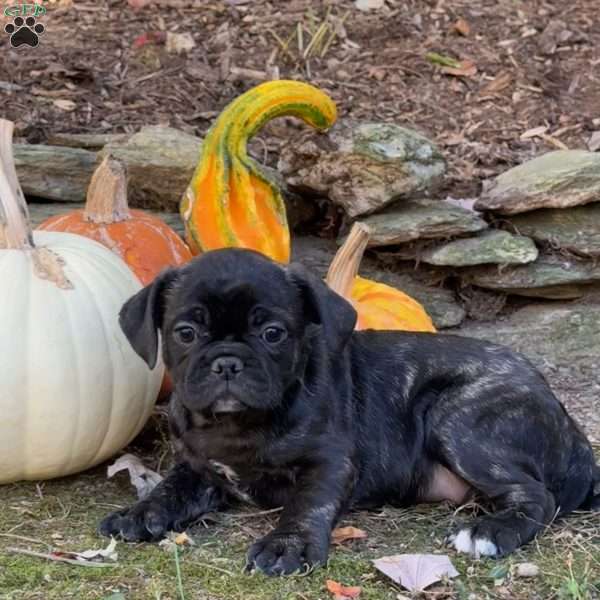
334, 420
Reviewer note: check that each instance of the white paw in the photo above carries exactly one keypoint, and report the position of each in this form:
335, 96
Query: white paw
463, 542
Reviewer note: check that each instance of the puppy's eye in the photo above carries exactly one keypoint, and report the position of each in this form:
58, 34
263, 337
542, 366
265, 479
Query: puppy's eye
185, 334
274, 335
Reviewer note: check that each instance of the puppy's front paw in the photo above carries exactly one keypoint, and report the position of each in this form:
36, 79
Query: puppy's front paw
145, 521
281, 553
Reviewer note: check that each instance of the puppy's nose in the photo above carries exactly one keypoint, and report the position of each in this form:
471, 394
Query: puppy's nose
227, 367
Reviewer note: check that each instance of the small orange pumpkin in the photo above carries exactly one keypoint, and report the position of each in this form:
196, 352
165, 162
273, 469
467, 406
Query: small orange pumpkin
144, 242
379, 306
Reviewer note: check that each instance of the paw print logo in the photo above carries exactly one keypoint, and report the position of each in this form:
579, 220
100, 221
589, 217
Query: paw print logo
24, 31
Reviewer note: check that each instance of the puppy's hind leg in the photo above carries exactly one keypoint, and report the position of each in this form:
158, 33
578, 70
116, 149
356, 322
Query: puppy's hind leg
522, 509
182, 497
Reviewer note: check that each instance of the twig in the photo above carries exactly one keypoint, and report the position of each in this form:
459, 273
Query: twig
209, 566
57, 558
24, 538
255, 514
284, 45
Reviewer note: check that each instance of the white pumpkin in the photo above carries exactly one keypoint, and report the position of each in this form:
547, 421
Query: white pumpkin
72, 391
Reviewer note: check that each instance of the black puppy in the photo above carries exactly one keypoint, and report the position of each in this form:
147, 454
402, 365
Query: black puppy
277, 400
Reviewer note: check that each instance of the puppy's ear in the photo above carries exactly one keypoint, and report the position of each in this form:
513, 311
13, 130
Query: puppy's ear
323, 306
141, 316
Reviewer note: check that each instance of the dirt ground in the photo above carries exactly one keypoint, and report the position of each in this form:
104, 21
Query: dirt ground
530, 83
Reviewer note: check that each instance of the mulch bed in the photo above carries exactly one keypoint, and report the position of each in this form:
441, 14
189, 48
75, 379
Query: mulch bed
537, 62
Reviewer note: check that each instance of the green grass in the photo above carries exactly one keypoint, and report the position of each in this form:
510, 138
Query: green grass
63, 514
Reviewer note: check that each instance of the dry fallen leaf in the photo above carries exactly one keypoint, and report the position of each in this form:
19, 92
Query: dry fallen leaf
499, 83
467, 68
462, 27
342, 592
88, 558
144, 479
66, 105
179, 43
534, 132
108, 553
415, 572
594, 141
527, 570
342, 534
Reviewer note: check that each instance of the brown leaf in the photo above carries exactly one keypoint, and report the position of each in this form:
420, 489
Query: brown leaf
499, 83
462, 27
341, 592
342, 534
415, 572
467, 69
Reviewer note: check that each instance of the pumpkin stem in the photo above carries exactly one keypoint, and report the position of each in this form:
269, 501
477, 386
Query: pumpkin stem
344, 266
15, 231
107, 194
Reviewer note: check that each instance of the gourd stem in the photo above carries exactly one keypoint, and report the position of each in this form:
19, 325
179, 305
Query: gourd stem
15, 231
345, 264
107, 194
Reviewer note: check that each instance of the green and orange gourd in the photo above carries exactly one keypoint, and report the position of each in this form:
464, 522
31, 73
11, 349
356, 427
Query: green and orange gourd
231, 200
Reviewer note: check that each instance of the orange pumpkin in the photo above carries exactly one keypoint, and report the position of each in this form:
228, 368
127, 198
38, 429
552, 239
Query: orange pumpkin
143, 241
379, 306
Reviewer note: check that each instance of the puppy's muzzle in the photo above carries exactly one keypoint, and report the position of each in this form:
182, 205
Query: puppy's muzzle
227, 367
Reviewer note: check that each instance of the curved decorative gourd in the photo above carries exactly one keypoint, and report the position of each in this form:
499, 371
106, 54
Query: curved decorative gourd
379, 306
72, 391
231, 201
144, 242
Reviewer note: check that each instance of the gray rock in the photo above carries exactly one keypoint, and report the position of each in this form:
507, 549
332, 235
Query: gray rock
54, 172
492, 246
576, 229
40, 211
550, 276
555, 333
421, 219
89, 141
160, 163
445, 311
362, 167
558, 179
